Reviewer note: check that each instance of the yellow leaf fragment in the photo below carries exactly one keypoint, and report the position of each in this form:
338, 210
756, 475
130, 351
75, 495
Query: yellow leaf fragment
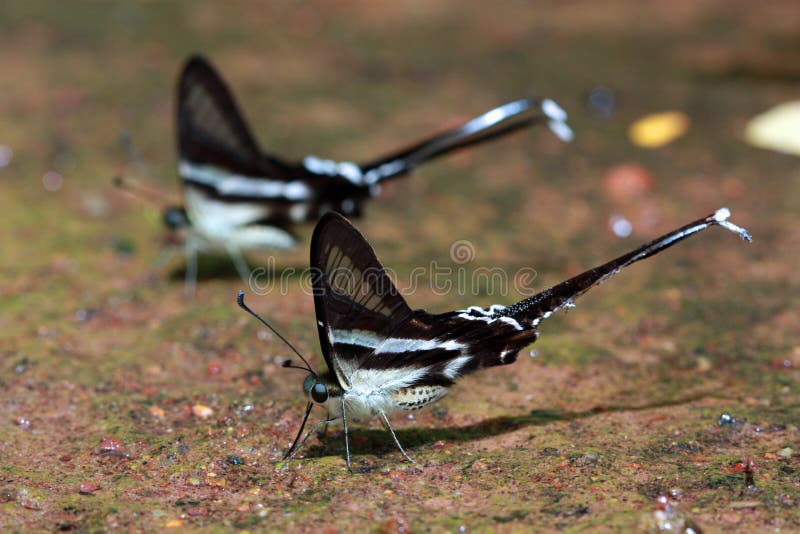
658, 129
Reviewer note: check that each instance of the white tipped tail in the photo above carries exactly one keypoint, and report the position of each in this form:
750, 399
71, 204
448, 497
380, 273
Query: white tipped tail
722, 215
558, 120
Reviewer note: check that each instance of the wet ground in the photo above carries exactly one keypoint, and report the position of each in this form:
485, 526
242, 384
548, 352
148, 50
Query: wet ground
125, 406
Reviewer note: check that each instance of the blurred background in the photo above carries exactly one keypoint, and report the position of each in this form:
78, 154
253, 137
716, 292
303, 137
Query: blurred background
637, 375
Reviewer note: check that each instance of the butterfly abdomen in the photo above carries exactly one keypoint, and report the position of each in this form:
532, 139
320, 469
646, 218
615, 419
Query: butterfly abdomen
417, 397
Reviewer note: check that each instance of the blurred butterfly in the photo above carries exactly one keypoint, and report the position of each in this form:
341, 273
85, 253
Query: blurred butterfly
238, 197
383, 357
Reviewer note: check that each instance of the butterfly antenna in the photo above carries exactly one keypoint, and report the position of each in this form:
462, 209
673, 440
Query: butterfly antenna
126, 142
240, 301
139, 190
289, 365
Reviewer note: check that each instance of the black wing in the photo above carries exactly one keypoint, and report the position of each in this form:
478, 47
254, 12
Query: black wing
210, 128
224, 170
357, 305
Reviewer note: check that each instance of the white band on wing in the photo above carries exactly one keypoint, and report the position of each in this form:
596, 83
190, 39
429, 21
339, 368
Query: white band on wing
229, 184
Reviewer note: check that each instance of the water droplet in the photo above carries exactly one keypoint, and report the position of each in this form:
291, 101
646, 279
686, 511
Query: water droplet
52, 181
726, 419
621, 226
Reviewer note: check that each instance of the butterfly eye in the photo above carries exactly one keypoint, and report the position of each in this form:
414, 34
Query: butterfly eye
175, 218
319, 393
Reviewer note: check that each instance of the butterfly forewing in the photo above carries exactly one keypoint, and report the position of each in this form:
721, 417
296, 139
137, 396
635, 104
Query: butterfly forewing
357, 304
210, 128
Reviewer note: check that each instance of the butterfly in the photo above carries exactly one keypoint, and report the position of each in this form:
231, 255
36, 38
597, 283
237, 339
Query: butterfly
382, 357
238, 197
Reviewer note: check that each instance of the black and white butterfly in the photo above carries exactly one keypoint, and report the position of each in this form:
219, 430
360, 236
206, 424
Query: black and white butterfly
238, 197
383, 357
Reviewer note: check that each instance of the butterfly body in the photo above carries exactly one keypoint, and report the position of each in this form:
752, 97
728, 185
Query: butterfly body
215, 225
407, 372
240, 198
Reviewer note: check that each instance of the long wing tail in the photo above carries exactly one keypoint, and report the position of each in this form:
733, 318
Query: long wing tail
531, 311
497, 122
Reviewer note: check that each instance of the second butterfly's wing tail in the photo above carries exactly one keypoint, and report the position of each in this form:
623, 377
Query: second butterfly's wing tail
531, 311
494, 123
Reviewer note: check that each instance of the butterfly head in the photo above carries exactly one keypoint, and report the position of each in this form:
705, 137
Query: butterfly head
175, 218
316, 389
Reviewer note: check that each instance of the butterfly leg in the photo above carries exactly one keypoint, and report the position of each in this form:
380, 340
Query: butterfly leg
396, 442
239, 262
293, 452
323, 429
191, 268
164, 255
346, 437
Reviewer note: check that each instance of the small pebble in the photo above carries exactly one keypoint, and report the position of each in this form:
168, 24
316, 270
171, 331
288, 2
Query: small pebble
627, 181
112, 447
84, 315
87, 488
23, 423
704, 365
786, 452
202, 411
395, 525
726, 419
195, 512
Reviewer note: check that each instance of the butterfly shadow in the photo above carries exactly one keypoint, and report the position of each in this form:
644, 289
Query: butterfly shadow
379, 441
220, 267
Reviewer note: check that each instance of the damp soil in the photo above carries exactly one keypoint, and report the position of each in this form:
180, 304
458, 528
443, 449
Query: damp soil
124, 406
